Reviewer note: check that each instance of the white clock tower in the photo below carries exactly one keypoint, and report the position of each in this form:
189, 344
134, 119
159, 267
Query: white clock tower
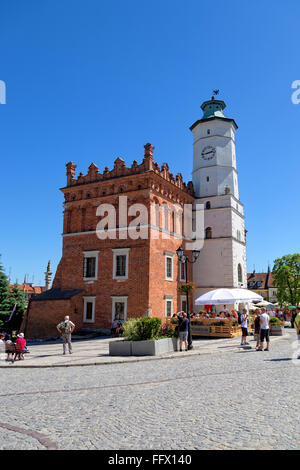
222, 260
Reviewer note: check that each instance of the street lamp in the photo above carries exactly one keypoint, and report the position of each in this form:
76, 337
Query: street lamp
185, 260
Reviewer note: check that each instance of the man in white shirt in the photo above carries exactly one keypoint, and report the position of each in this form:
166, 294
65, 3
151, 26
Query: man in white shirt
264, 330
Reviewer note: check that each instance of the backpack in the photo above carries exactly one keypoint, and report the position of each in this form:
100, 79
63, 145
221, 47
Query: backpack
65, 327
239, 318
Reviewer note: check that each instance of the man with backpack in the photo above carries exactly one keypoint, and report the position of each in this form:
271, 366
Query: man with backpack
66, 329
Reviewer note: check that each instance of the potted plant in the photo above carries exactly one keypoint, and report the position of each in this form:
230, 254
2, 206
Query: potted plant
144, 337
276, 328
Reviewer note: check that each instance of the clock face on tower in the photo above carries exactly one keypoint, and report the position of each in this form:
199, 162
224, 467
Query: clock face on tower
208, 153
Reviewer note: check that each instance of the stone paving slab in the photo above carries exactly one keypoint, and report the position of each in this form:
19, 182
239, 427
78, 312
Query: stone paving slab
96, 352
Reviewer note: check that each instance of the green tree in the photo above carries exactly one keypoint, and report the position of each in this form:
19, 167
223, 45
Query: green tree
286, 273
17, 298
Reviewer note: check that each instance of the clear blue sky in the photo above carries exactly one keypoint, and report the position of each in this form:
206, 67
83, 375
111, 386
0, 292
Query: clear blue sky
92, 80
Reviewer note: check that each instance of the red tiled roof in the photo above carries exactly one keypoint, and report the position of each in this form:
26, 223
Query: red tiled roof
266, 280
29, 288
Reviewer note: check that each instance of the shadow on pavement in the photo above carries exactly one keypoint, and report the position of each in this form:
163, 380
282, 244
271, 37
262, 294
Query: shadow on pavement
280, 359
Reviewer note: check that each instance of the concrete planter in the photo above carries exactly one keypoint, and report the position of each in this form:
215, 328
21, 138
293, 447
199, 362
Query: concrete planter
143, 348
120, 348
276, 331
154, 347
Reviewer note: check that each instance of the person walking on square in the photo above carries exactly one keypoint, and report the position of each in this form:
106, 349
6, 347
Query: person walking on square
244, 326
264, 330
66, 329
183, 330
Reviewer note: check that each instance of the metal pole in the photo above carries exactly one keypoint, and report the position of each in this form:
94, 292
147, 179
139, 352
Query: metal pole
26, 317
190, 341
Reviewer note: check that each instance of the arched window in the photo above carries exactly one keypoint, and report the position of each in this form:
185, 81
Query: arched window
208, 232
207, 205
240, 274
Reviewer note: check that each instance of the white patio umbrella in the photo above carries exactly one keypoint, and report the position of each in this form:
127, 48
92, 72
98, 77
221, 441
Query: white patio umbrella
262, 303
253, 306
227, 296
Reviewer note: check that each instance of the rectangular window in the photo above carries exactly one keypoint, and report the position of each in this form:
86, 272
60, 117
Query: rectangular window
120, 263
119, 308
182, 272
90, 265
183, 303
89, 309
169, 266
169, 308
119, 311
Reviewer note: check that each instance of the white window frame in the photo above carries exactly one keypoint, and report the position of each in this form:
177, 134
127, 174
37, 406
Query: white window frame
91, 299
91, 254
120, 252
115, 299
168, 298
169, 255
181, 266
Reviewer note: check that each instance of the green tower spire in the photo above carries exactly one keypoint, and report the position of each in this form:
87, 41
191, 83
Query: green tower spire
213, 108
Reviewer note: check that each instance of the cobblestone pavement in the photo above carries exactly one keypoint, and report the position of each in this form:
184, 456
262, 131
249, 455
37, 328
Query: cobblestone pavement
238, 400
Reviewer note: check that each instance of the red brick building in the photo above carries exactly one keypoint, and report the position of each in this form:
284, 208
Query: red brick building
132, 273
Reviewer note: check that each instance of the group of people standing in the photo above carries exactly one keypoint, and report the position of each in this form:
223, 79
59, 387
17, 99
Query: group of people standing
262, 329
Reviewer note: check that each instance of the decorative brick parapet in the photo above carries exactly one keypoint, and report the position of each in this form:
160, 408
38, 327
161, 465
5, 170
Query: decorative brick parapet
120, 169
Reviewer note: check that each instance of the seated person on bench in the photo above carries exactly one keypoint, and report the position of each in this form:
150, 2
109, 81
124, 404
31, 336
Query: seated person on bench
20, 346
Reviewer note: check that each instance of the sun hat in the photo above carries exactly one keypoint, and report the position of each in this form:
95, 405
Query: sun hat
21, 335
